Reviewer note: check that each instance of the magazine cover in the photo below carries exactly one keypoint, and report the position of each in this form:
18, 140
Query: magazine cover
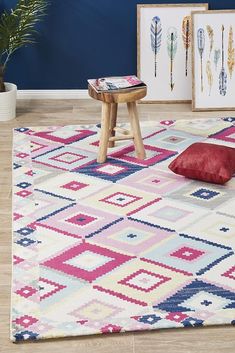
106, 84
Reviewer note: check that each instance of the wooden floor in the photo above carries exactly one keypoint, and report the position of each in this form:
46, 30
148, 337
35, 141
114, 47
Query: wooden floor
34, 113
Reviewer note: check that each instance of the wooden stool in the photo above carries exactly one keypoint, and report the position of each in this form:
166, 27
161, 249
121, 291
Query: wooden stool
109, 118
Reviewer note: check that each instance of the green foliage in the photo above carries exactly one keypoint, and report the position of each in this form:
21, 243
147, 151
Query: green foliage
17, 27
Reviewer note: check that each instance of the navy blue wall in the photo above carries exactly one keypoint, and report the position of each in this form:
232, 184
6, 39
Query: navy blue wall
81, 39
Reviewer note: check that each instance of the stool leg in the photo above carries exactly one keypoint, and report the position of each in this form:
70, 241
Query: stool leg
105, 132
135, 126
113, 122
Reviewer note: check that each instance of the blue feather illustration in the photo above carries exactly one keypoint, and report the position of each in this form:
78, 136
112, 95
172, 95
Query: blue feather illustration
156, 39
171, 49
216, 57
223, 74
201, 47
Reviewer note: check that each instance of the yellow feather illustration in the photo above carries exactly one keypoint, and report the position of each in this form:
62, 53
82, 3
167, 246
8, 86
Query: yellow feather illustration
187, 37
209, 75
210, 33
231, 52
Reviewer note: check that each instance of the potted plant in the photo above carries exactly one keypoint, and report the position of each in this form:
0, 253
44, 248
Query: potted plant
17, 29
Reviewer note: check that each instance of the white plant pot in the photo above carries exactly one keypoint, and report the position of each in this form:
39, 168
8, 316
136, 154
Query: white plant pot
8, 102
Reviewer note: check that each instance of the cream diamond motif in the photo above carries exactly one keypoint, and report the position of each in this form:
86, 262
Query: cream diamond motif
88, 261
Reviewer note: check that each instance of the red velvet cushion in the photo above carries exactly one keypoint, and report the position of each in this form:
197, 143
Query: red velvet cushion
206, 162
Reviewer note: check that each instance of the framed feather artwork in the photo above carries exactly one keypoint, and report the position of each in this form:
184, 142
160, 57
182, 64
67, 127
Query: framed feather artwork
213, 64
164, 36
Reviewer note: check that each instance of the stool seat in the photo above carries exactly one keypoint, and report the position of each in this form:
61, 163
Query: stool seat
122, 96
110, 102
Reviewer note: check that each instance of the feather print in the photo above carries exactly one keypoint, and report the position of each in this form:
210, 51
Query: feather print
209, 75
156, 39
187, 36
231, 52
223, 74
217, 55
201, 47
210, 33
171, 49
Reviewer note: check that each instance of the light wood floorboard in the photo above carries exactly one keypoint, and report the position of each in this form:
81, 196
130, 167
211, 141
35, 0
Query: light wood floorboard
65, 112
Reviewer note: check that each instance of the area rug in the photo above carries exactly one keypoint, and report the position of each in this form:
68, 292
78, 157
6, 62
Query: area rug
120, 246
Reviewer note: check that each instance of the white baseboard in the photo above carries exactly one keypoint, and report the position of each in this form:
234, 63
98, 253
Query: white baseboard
53, 94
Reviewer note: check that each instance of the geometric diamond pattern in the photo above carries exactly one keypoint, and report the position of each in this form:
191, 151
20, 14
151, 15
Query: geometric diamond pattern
47, 288
226, 135
188, 253
86, 261
95, 308
144, 280
64, 158
199, 295
113, 170
154, 155
121, 246
77, 221
204, 195
25, 321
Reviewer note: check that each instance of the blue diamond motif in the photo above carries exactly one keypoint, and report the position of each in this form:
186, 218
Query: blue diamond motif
191, 322
179, 301
230, 120
205, 194
131, 236
23, 185
22, 129
25, 242
25, 231
206, 302
124, 169
16, 166
149, 319
224, 229
26, 335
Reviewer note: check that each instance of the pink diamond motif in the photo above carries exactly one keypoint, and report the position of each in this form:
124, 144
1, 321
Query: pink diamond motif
154, 155
167, 122
81, 219
37, 146
144, 280
16, 216
26, 291
95, 143
68, 157
74, 186
25, 321
59, 262
65, 138
22, 155
156, 181
17, 260
24, 193
177, 317
121, 199
48, 288
187, 253
173, 138
111, 328
230, 273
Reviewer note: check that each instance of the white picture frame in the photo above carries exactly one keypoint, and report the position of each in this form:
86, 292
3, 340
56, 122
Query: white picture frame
213, 60
165, 64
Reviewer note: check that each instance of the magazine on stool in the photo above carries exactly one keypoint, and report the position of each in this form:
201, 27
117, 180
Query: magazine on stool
113, 84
